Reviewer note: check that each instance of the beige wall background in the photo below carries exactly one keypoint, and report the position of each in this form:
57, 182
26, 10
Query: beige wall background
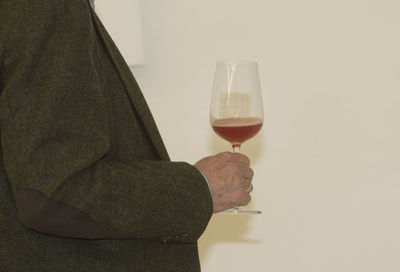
326, 163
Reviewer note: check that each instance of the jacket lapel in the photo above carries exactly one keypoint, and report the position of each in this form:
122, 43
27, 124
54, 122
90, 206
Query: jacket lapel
132, 88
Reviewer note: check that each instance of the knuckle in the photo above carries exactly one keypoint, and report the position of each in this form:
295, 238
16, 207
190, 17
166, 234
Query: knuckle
223, 156
242, 198
251, 173
244, 158
226, 154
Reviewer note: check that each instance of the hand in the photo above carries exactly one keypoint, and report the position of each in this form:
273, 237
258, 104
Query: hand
229, 176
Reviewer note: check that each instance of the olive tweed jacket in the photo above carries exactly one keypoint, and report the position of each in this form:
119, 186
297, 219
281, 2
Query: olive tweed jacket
85, 181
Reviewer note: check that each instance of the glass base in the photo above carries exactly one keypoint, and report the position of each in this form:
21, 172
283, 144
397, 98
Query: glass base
240, 211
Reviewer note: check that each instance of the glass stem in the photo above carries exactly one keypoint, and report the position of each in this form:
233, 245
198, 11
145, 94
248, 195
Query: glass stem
236, 148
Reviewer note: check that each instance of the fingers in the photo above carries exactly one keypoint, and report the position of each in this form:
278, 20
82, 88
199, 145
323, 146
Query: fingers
248, 174
229, 176
246, 200
236, 161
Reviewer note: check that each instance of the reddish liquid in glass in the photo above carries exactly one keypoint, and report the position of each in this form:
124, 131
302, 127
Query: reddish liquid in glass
237, 130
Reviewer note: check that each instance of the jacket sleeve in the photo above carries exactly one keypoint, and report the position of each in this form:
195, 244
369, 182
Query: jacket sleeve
55, 138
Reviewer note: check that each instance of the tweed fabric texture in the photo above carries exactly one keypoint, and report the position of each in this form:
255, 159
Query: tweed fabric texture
74, 125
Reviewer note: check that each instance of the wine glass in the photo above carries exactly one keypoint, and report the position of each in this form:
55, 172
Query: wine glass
236, 112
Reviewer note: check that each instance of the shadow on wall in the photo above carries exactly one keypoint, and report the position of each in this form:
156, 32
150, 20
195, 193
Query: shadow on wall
231, 228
